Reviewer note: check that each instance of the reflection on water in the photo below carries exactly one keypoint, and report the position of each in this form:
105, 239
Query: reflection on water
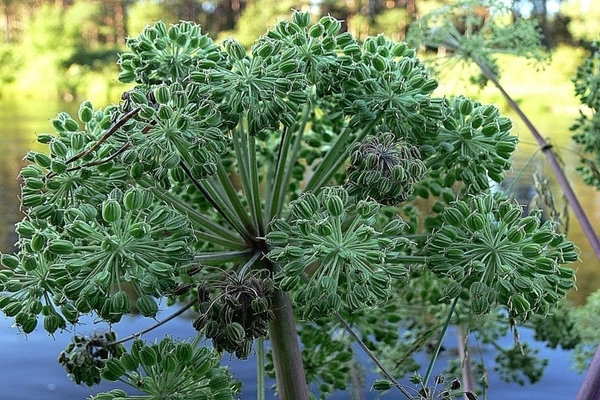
36, 358
21, 122
35, 368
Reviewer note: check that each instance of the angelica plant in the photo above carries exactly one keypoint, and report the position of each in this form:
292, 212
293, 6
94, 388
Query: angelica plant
267, 190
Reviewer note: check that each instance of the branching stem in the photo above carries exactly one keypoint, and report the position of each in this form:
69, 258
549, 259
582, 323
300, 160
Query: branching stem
372, 356
438, 347
159, 323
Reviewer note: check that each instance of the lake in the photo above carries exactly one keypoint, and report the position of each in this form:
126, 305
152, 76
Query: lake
29, 369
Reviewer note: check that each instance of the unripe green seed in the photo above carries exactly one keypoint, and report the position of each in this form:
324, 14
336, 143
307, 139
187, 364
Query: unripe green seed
160, 269
29, 324
478, 289
531, 250
9, 261
42, 160
148, 357
162, 94
111, 211
130, 362
520, 304
71, 125
113, 369
13, 308
184, 352
382, 384
379, 63
58, 148
277, 238
302, 19
480, 305
61, 246
316, 31
219, 382
86, 112
453, 217
52, 322
235, 49
147, 306
120, 303
235, 332
516, 234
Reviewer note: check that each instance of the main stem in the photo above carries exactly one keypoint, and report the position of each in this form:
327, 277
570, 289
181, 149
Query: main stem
468, 380
289, 371
590, 388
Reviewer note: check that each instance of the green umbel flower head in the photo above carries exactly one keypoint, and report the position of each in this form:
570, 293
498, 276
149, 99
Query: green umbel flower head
165, 55
335, 245
81, 265
486, 247
473, 147
170, 370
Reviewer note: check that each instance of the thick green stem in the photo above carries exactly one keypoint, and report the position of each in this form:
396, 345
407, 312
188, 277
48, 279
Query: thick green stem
260, 368
289, 371
468, 380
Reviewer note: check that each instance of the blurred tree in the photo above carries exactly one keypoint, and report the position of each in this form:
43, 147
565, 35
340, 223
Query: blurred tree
144, 12
548, 13
257, 16
582, 18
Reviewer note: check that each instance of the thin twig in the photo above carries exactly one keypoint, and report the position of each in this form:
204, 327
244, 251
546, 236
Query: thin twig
107, 135
364, 347
159, 323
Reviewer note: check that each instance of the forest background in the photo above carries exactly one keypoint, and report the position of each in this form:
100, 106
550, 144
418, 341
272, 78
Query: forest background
67, 49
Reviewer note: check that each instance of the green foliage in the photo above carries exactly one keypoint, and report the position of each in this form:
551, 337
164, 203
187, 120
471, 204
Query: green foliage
234, 181
520, 362
582, 17
587, 82
475, 33
586, 321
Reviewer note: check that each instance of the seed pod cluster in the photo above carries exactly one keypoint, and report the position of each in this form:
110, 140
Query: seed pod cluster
164, 55
174, 125
170, 368
498, 256
239, 313
85, 357
50, 266
475, 145
384, 169
334, 245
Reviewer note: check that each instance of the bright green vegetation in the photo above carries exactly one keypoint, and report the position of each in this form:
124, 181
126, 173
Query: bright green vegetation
306, 186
